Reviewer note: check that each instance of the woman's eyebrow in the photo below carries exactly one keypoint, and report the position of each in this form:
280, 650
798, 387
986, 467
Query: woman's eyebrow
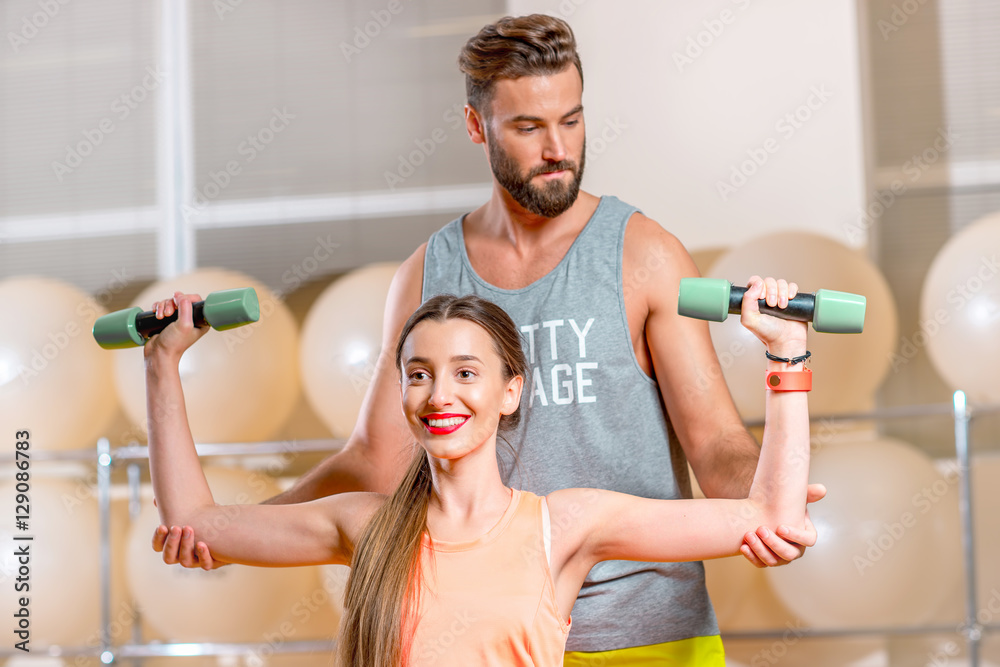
457, 357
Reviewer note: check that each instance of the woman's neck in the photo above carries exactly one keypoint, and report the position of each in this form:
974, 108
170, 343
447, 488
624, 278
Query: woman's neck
467, 491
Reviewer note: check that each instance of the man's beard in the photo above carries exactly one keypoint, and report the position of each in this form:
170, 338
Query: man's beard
548, 201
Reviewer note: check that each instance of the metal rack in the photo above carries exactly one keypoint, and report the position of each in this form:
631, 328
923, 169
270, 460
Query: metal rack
131, 456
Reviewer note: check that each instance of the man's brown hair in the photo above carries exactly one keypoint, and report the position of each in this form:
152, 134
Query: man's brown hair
515, 46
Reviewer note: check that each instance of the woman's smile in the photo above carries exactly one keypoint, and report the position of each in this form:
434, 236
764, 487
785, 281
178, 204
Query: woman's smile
443, 423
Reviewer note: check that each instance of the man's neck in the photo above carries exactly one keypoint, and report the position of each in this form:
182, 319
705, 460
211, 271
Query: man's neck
503, 220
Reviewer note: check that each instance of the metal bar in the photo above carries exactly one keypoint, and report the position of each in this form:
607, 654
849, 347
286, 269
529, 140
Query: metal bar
897, 412
212, 648
135, 452
134, 472
803, 631
972, 630
175, 245
104, 507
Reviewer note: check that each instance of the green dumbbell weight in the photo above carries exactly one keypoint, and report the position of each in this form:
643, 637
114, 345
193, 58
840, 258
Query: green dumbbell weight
714, 299
225, 309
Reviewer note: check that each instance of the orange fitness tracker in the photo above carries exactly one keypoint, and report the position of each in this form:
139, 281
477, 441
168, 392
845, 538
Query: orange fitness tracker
790, 380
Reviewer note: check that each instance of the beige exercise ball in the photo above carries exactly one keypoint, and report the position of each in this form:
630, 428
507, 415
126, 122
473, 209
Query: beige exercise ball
848, 367
231, 603
341, 340
986, 514
706, 257
932, 650
887, 549
792, 649
61, 571
728, 579
55, 381
334, 578
985, 503
239, 385
960, 311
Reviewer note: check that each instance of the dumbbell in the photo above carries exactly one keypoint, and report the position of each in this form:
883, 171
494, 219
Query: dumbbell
225, 309
829, 311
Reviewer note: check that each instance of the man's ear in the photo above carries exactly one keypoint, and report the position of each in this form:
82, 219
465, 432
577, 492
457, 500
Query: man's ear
475, 125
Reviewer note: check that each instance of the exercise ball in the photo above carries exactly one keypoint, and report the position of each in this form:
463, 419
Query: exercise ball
62, 568
887, 552
334, 578
341, 340
985, 479
960, 311
848, 367
706, 257
239, 385
932, 650
55, 382
795, 650
232, 603
985, 503
728, 580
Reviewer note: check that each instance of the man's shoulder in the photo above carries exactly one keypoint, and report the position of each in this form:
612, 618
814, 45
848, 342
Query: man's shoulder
645, 235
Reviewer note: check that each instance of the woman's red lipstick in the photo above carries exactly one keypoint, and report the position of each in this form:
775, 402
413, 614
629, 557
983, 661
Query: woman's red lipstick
440, 416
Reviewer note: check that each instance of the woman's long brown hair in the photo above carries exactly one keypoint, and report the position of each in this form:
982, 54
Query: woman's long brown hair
381, 597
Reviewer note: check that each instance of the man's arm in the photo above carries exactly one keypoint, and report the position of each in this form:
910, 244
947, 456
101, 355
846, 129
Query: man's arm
722, 453
376, 453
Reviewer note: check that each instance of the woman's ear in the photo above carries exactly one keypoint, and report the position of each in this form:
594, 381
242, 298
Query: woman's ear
512, 395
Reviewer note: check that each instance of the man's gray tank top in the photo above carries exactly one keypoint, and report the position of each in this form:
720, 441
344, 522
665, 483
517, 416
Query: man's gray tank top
591, 418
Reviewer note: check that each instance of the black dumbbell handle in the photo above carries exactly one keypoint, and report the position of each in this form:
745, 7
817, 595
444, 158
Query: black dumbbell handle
800, 308
147, 325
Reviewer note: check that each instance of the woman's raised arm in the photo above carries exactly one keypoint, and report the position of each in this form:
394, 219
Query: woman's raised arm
320, 531
613, 526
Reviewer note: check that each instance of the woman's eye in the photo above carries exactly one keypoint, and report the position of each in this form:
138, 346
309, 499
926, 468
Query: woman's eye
417, 376
466, 374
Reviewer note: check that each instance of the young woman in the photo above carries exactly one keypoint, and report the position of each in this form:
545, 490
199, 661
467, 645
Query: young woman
455, 568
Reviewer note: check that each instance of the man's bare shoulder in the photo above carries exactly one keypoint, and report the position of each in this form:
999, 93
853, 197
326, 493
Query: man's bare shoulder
653, 259
404, 297
644, 235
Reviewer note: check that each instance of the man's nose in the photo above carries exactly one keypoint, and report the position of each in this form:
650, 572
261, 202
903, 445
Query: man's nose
555, 146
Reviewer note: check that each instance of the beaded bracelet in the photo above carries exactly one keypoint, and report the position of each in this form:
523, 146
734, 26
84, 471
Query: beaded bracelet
792, 361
